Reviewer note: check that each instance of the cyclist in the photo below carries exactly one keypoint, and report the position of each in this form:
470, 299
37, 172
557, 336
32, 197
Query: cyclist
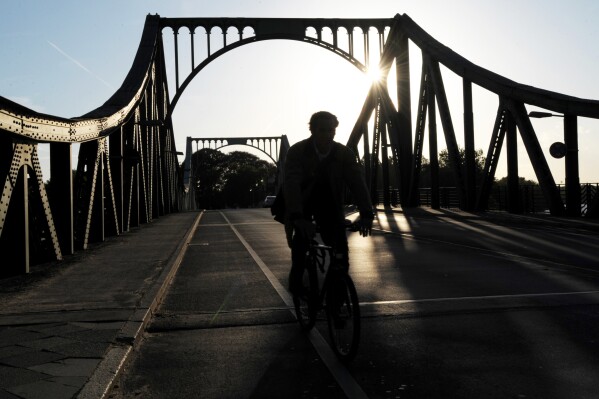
317, 171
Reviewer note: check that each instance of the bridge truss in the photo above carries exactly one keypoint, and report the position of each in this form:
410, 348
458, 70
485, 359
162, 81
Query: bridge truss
127, 171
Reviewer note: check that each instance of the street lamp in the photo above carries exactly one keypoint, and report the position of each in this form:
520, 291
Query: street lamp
569, 149
557, 149
537, 114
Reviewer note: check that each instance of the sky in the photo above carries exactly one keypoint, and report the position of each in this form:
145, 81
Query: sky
67, 57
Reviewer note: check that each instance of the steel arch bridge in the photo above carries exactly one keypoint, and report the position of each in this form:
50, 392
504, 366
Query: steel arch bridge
127, 172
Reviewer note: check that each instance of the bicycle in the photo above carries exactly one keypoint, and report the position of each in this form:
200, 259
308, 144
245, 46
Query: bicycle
337, 296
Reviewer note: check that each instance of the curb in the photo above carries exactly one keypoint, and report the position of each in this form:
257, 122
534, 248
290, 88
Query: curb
99, 383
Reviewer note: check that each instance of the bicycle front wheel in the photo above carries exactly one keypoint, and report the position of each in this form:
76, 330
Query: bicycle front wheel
343, 316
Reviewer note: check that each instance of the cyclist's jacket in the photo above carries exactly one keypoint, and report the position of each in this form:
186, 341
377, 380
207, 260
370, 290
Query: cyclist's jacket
315, 187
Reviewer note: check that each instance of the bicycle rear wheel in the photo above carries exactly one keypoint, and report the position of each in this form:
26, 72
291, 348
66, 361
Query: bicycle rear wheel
306, 301
343, 317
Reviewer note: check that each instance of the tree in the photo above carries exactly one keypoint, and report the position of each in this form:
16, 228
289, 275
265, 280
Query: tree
446, 174
208, 173
521, 181
247, 178
237, 179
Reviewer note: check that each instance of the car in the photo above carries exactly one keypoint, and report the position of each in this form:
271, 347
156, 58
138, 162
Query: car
269, 200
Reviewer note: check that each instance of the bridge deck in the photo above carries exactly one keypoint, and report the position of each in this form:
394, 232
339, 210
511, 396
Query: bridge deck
506, 306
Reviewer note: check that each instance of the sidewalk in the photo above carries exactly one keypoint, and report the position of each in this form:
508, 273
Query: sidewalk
66, 328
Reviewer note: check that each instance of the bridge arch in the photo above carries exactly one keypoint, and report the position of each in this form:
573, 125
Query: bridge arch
269, 146
276, 29
243, 42
251, 146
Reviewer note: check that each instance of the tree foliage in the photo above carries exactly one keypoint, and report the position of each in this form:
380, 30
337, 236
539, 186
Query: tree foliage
521, 181
446, 173
237, 179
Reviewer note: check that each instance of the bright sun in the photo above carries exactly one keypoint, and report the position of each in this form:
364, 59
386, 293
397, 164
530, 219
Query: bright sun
374, 74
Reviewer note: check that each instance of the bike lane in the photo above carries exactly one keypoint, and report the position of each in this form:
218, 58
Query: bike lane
224, 331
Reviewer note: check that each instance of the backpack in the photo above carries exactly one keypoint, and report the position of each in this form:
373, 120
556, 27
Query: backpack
278, 207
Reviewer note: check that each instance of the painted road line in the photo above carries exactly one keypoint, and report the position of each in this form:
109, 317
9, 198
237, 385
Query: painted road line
337, 369
487, 297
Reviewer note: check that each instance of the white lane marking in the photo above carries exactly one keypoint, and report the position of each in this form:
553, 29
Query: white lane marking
237, 224
337, 369
466, 298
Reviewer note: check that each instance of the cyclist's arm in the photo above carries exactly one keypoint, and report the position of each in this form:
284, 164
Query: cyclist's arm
354, 177
365, 226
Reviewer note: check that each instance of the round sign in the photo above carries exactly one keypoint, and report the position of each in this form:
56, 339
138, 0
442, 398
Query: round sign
558, 150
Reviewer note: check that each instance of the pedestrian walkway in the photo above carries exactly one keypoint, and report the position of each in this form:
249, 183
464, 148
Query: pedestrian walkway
66, 328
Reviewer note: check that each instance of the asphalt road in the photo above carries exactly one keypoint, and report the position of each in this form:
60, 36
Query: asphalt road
452, 307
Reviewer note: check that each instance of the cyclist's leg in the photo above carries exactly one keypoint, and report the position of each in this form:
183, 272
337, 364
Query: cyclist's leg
303, 284
333, 234
299, 246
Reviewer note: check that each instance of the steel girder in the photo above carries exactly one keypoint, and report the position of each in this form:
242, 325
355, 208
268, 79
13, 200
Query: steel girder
127, 171
512, 115
24, 185
269, 29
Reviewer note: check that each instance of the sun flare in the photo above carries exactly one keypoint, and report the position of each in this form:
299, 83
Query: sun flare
374, 74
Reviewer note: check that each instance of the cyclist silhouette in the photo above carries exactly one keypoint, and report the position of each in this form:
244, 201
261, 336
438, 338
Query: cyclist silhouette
317, 171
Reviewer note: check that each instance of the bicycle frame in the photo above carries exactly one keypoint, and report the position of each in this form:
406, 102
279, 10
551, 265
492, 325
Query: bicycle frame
317, 253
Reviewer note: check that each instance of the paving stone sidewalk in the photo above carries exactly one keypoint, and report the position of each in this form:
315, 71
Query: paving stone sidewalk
66, 328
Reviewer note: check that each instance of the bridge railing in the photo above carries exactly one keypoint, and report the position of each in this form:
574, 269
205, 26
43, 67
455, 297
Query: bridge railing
530, 199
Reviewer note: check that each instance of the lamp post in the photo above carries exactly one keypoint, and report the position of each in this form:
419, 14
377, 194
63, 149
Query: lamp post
537, 114
570, 151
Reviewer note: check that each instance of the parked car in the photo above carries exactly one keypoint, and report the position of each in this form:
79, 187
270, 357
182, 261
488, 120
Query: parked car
269, 200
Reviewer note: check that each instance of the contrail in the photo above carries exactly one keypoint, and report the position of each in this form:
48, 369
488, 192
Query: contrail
80, 65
